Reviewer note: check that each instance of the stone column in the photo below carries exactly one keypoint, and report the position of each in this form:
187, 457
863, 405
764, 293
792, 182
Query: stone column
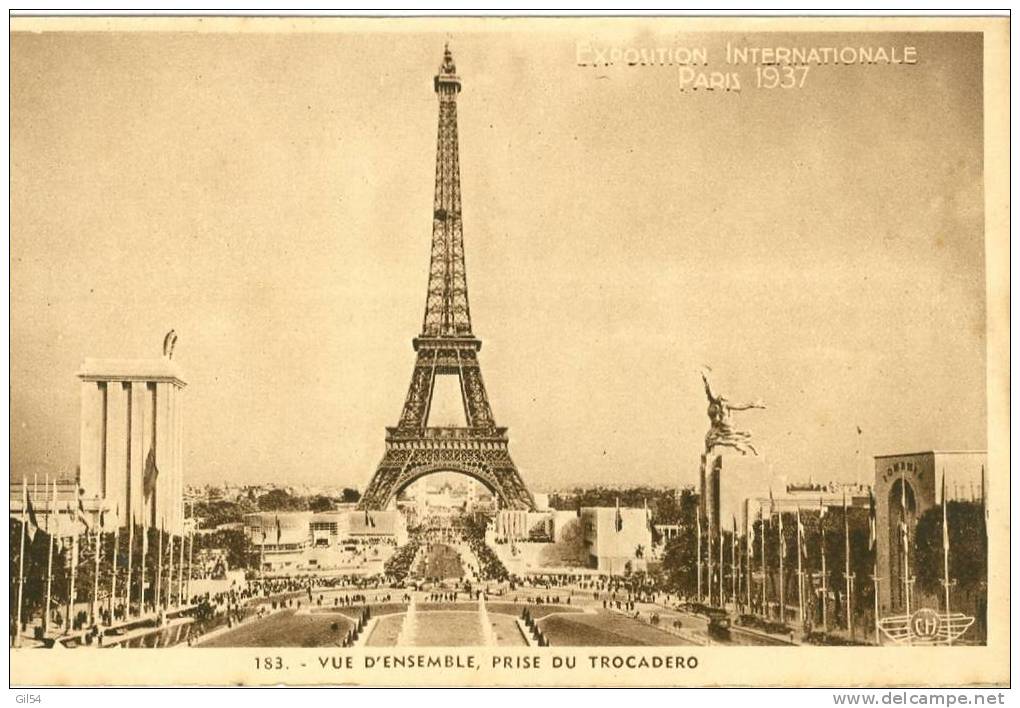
164, 452
138, 449
117, 443
179, 456
728, 479
92, 423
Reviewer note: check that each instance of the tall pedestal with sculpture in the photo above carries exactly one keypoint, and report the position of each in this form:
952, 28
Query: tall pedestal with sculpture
730, 466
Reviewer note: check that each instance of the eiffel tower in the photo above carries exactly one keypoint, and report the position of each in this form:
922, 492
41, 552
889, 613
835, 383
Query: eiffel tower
446, 346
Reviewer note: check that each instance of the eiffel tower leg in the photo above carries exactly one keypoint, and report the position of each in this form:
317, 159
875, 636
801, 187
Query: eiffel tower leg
513, 494
383, 486
492, 467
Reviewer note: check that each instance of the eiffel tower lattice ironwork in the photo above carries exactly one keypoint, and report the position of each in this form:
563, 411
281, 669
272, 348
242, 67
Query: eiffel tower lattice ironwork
446, 346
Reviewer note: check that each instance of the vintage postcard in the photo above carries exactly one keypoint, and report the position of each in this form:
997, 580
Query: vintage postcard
741, 416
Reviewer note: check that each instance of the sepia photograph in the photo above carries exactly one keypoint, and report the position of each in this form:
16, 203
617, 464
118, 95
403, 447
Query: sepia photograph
742, 406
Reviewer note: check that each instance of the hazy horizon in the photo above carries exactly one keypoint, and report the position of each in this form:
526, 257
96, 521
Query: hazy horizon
268, 196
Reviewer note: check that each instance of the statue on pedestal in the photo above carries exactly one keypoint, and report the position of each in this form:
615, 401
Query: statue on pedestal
169, 342
722, 433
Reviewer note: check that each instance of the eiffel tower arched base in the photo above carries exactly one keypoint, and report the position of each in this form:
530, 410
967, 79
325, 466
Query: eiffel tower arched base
482, 455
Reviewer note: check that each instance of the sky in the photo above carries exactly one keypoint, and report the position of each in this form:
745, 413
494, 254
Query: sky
268, 196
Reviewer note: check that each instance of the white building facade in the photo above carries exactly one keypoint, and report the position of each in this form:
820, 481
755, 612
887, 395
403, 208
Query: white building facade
132, 451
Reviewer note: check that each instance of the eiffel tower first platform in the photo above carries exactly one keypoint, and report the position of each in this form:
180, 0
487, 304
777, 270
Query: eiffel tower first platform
446, 346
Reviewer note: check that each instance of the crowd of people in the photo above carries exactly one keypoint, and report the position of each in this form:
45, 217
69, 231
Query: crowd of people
257, 595
347, 600
490, 567
444, 596
398, 566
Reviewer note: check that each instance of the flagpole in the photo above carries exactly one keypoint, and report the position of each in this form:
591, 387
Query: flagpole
722, 567
734, 571
141, 566
847, 576
131, 549
764, 565
874, 582
984, 524
708, 557
697, 513
113, 565
21, 561
749, 548
170, 572
905, 534
95, 579
825, 575
873, 548
180, 575
191, 551
49, 559
74, 573
33, 519
945, 549
158, 597
262, 555
800, 570
782, 584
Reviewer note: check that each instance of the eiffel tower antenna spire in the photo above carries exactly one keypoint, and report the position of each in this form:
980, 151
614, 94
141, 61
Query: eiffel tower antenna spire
446, 346
447, 313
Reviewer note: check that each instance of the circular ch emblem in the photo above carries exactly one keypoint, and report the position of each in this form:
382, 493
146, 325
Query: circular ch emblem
925, 623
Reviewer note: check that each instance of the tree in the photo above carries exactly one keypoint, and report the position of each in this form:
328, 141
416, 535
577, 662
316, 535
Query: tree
218, 512
350, 496
281, 500
968, 550
320, 503
680, 562
861, 557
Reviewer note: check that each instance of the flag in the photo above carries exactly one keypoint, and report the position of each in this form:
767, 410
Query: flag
904, 532
83, 517
801, 541
150, 474
872, 527
822, 509
70, 514
782, 538
750, 532
945, 516
279, 530
846, 529
772, 503
619, 516
697, 518
984, 499
33, 523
